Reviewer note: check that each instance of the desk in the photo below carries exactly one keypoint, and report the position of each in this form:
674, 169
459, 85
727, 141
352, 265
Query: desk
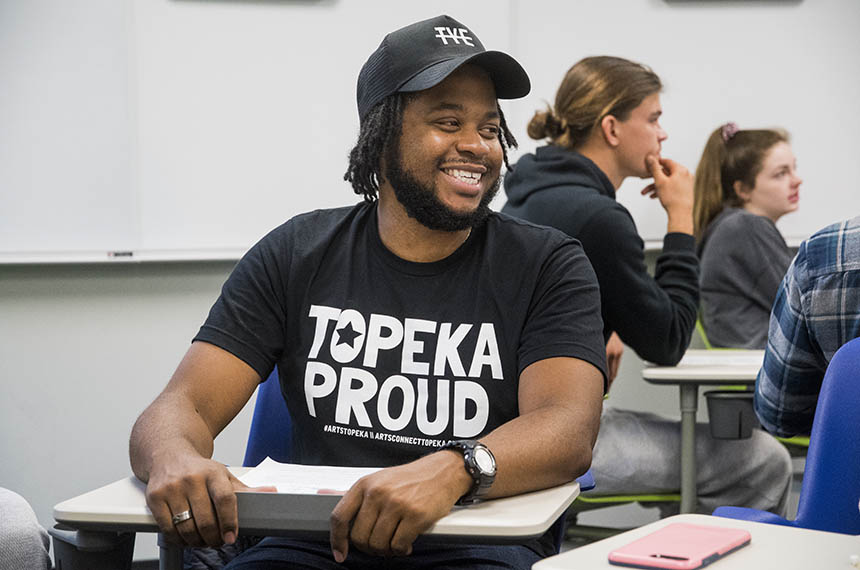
709, 367
121, 507
772, 546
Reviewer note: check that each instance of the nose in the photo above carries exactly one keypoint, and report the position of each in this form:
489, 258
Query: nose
661, 134
796, 179
472, 142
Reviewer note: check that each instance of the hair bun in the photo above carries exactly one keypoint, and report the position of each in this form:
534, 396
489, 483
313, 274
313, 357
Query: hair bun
545, 124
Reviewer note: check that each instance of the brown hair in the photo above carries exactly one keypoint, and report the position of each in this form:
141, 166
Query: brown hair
592, 89
730, 155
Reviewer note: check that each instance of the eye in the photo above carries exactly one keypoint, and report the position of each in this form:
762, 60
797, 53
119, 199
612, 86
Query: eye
448, 125
491, 131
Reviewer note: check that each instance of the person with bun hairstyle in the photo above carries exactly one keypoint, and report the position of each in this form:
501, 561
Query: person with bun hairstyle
604, 128
745, 182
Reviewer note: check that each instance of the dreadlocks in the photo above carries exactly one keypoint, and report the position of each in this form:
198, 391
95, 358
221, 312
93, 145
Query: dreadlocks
382, 126
506, 137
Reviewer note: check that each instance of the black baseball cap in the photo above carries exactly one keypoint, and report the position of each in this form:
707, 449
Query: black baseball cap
423, 54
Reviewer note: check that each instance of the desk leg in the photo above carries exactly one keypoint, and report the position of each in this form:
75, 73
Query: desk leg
689, 406
169, 555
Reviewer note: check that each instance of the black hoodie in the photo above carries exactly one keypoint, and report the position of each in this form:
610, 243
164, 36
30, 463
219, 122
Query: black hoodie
653, 316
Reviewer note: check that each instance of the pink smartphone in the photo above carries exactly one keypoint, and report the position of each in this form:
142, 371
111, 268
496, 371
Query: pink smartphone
680, 546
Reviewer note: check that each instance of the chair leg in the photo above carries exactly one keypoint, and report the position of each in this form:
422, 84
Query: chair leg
170, 555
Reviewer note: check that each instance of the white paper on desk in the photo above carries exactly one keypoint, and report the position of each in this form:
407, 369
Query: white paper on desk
304, 479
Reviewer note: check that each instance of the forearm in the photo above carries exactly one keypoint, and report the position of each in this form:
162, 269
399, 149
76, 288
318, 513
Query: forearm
666, 303
680, 220
672, 319
206, 392
417, 494
170, 426
544, 448
630, 296
546, 445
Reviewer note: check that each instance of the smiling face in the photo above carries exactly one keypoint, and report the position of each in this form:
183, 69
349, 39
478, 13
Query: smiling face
445, 169
777, 186
639, 136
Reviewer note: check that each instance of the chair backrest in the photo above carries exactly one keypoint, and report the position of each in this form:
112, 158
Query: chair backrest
831, 479
703, 336
271, 427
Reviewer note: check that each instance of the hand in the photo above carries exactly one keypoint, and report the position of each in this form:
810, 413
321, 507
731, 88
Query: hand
673, 186
202, 486
614, 350
383, 513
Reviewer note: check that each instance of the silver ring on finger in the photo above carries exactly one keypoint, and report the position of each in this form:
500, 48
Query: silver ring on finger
182, 517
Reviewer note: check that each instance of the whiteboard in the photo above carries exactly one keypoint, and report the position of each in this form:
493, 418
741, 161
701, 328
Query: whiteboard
66, 158
187, 129
170, 130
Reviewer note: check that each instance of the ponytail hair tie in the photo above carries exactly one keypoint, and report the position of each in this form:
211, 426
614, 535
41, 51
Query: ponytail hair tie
556, 126
728, 130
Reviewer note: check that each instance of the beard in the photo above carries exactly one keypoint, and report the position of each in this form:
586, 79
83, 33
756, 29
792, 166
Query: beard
422, 203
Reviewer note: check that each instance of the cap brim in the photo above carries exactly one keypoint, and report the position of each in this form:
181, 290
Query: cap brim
508, 76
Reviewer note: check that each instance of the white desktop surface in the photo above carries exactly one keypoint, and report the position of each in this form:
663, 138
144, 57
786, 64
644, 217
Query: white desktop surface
708, 367
122, 506
772, 547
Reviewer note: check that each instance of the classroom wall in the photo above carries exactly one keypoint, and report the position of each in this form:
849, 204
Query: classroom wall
85, 347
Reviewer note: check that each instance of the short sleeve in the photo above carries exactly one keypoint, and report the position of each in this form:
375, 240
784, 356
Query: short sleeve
564, 313
248, 318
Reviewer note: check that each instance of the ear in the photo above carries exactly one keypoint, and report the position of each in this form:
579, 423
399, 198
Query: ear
609, 128
382, 166
741, 191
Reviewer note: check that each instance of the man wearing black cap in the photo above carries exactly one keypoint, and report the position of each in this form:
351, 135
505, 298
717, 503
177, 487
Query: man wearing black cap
405, 329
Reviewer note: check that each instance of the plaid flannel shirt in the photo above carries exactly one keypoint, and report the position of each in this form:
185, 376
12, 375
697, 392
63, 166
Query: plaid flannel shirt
816, 311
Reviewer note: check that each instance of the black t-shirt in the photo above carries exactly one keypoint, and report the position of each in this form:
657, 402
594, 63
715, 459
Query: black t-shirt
382, 360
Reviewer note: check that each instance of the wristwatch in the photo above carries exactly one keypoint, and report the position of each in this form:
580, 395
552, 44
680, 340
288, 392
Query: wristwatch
480, 465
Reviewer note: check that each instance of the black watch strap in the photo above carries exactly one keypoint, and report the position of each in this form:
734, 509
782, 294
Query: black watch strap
482, 477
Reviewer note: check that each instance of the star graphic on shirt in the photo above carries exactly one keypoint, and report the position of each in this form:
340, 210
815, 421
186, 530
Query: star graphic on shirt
347, 335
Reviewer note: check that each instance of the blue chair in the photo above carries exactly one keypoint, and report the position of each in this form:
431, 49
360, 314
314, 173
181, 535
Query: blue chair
271, 435
271, 426
831, 479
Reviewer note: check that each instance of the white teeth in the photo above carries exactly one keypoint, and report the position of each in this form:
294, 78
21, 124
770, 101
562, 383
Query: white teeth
464, 176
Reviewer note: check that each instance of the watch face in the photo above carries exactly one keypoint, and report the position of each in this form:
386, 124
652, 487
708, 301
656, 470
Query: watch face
485, 461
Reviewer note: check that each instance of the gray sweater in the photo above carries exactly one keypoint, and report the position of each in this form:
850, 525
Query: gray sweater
743, 260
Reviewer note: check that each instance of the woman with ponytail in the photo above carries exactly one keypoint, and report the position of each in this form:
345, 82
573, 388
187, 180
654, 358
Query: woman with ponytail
603, 128
745, 182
